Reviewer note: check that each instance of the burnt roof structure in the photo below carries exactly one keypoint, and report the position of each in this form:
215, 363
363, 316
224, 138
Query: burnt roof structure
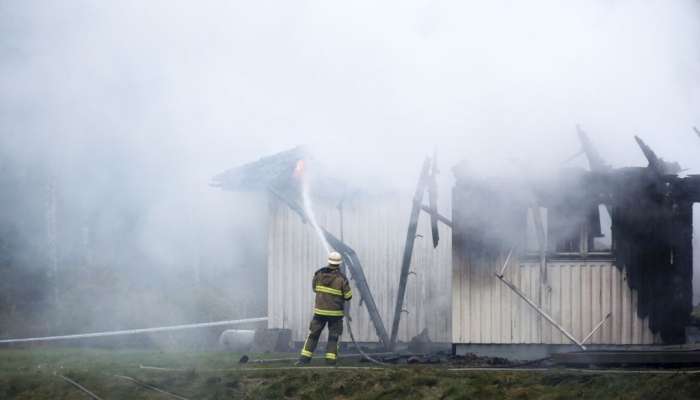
651, 212
273, 171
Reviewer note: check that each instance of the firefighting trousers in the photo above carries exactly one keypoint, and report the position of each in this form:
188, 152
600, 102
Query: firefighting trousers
335, 329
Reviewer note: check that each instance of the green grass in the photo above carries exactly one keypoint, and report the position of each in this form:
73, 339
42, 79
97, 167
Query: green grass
29, 374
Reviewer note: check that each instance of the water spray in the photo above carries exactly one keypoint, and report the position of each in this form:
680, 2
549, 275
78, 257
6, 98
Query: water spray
300, 173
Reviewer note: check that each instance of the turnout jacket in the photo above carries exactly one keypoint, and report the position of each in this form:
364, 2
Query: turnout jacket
332, 291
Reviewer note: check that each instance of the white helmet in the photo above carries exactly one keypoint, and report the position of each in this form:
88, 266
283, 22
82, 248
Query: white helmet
334, 258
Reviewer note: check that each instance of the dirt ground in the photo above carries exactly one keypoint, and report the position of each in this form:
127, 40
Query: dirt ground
36, 374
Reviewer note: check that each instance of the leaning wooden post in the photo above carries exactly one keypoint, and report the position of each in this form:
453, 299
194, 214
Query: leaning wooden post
541, 311
408, 249
351, 260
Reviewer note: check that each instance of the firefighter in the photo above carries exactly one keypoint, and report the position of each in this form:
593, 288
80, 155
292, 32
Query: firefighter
332, 291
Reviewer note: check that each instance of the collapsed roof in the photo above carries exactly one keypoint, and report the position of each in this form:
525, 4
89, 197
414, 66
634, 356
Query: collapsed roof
273, 171
651, 212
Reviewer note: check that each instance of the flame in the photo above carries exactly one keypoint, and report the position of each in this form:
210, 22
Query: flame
299, 169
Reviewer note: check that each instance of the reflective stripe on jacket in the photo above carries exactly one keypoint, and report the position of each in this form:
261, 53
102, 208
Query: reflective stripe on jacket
332, 290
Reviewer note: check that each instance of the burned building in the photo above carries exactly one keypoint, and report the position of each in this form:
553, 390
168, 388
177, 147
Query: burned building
591, 258
372, 223
579, 259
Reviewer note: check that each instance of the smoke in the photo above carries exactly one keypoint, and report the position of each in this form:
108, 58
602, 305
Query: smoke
130, 108
215, 84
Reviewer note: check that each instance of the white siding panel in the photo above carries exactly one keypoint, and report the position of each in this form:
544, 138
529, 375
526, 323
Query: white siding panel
566, 309
616, 319
605, 304
554, 276
376, 229
596, 296
526, 282
586, 300
577, 295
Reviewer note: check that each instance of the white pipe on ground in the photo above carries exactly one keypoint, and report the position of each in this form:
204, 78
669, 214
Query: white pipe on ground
136, 331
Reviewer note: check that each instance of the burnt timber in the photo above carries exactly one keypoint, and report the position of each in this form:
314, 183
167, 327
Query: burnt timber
433, 203
423, 183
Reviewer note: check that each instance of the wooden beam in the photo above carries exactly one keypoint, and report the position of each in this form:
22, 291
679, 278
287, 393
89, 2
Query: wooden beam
440, 217
423, 182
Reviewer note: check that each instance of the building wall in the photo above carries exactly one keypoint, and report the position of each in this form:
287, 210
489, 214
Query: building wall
577, 294
376, 230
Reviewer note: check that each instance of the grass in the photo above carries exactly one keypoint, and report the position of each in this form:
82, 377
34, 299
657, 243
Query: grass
29, 374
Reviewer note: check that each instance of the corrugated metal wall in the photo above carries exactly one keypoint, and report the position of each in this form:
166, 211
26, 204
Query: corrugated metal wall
577, 295
376, 229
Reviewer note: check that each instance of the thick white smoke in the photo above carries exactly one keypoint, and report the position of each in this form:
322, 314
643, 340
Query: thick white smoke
133, 106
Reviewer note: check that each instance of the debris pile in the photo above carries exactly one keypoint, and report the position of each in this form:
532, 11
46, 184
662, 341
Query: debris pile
473, 360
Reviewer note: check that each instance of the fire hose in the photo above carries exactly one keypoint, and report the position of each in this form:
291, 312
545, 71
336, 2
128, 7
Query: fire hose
352, 338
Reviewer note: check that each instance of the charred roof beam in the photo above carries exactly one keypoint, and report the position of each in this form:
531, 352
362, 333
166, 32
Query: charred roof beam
657, 164
595, 161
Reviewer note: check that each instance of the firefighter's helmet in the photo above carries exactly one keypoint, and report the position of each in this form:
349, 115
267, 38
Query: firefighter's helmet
334, 258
